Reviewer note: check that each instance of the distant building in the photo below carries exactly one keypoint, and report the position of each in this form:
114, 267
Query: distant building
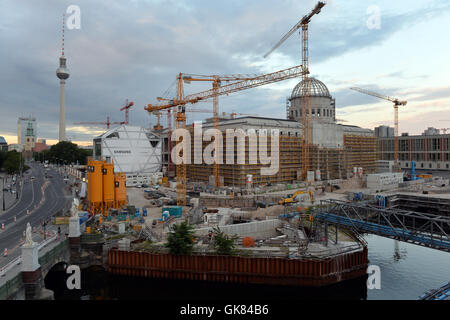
29, 141
134, 151
428, 151
39, 147
384, 132
431, 132
3, 144
23, 125
15, 147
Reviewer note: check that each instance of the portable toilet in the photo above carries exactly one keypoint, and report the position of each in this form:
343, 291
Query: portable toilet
174, 211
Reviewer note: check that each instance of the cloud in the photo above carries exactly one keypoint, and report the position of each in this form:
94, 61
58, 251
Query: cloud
134, 50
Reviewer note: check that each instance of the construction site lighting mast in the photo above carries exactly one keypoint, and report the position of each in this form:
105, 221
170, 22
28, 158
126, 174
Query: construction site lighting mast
180, 102
303, 24
397, 103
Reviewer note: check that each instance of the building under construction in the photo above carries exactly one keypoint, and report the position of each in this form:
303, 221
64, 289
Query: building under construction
334, 152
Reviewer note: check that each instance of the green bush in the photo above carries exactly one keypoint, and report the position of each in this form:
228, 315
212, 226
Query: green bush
223, 244
181, 239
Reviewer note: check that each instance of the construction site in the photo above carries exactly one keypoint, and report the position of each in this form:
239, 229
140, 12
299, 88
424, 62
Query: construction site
302, 225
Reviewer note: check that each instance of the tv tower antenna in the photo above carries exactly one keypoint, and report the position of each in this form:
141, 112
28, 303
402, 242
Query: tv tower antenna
63, 74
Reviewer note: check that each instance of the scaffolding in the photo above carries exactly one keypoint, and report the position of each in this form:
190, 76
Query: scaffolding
332, 163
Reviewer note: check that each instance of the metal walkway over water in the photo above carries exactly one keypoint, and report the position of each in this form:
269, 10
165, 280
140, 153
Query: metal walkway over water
423, 229
442, 293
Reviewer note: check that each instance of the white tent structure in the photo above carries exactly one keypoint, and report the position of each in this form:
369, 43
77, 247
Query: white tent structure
134, 151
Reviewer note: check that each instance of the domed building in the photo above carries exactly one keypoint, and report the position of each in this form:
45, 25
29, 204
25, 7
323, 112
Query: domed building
335, 150
322, 104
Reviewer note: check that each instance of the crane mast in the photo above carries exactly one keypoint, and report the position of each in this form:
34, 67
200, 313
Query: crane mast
216, 82
397, 103
180, 102
127, 107
303, 24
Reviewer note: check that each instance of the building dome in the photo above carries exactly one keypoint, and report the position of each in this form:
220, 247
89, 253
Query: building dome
316, 89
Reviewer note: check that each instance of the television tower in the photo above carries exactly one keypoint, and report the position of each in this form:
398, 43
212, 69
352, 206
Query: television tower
62, 73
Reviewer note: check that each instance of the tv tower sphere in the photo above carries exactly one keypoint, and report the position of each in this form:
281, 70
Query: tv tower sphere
62, 72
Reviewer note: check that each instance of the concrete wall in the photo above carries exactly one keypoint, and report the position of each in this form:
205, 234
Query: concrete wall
258, 230
236, 202
329, 135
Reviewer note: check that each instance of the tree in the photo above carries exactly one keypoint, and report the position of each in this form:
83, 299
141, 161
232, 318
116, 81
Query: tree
65, 152
83, 155
223, 243
181, 239
3, 156
13, 162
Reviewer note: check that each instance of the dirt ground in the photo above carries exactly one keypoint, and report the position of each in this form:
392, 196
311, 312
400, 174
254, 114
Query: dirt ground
137, 199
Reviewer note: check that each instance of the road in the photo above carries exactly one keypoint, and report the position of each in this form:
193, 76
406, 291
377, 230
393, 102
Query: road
56, 197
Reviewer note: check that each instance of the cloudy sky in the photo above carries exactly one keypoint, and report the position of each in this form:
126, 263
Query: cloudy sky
134, 50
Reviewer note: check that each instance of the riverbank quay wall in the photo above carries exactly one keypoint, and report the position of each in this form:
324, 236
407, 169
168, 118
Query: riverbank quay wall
240, 269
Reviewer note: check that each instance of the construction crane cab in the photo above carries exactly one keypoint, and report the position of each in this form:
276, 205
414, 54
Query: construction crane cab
293, 198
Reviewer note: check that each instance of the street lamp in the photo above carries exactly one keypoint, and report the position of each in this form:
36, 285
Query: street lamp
45, 235
3, 191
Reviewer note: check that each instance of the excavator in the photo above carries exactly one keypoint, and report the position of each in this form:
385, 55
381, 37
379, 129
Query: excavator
292, 199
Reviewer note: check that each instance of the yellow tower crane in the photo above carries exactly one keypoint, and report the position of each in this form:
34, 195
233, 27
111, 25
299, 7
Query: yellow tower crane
397, 103
303, 24
181, 101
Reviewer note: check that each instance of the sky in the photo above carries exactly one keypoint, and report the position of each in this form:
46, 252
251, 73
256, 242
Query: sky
135, 49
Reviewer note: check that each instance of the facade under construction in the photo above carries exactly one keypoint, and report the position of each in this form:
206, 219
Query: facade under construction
335, 150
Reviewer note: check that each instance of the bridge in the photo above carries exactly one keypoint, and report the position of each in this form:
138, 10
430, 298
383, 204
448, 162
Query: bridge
425, 229
443, 293
51, 252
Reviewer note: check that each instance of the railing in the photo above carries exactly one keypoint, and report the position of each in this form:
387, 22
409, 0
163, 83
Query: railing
18, 260
50, 255
10, 265
46, 242
10, 287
